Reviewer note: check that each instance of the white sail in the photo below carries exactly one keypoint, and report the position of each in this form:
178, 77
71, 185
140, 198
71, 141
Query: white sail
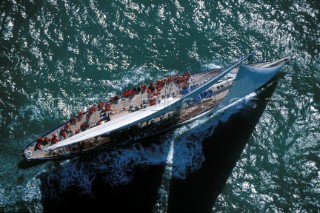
249, 79
142, 115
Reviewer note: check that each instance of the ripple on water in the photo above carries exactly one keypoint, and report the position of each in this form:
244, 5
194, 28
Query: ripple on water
72, 54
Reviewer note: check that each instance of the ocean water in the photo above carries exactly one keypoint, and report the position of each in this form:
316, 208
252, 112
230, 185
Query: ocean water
57, 57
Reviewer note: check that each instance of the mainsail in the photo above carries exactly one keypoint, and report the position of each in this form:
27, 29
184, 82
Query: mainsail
143, 115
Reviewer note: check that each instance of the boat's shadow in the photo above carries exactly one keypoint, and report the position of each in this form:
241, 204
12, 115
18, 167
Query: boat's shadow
196, 193
199, 191
24, 164
83, 185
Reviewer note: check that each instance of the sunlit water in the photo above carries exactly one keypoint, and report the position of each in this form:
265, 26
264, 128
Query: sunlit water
58, 57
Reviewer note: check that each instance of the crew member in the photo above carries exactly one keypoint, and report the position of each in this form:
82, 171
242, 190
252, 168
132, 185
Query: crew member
125, 93
92, 109
38, 144
79, 116
67, 126
54, 139
88, 115
46, 140
100, 105
73, 121
184, 85
63, 133
68, 129
38, 147
143, 86
151, 88
83, 127
108, 106
152, 102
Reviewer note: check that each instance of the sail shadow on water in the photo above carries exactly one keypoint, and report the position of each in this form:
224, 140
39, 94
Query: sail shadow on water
199, 191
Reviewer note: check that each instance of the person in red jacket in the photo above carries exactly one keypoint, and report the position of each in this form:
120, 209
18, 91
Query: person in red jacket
67, 126
107, 106
54, 139
38, 144
100, 105
143, 86
73, 121
79, 115
46, 140
63, 133
125, 93
83, 127
92, 109
88, 115
152, 101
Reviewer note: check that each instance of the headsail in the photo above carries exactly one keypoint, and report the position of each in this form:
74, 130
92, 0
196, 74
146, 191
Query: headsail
248, 80
143, 115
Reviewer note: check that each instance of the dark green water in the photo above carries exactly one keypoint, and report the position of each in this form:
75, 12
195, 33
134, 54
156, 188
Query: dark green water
59, 56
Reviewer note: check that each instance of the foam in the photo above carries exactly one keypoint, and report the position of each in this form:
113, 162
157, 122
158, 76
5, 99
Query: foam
210, 66
29, 193
134, 76
30, 112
